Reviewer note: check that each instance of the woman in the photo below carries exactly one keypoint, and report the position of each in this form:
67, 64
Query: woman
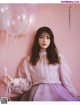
44, 75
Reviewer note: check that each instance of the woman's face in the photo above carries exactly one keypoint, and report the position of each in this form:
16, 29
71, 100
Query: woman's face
44, 40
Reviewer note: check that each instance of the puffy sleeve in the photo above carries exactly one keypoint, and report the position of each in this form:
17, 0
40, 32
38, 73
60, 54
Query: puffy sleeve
66, 78
24, 82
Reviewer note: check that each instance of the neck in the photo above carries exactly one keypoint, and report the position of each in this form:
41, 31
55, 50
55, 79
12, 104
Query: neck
42, 50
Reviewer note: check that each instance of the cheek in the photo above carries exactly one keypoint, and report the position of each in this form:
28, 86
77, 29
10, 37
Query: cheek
49, 42
39, 41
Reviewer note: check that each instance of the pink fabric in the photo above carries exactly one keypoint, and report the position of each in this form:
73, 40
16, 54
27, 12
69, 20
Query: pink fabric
44, 73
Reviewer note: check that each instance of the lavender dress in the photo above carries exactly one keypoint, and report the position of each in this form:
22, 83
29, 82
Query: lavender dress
45, 82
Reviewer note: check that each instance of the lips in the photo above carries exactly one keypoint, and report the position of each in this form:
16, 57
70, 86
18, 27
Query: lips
44, 44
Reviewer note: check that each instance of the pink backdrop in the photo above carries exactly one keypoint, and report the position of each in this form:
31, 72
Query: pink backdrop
55, 16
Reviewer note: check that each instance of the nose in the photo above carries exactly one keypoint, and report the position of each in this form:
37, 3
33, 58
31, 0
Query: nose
44, 39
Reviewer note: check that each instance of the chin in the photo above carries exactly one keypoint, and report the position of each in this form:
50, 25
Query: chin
44, 47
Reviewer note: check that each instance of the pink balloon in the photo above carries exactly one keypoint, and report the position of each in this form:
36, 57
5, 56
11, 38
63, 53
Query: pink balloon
17, 20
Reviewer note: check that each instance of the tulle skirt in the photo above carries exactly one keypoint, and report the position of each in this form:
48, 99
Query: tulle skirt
48, 92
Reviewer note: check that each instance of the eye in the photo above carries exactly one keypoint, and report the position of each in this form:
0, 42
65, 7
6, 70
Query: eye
41, 37
48, 37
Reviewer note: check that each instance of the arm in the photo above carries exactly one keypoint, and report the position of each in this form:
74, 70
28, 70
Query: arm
66, 77
23, 83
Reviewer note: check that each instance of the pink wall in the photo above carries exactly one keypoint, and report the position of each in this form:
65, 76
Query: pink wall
56, 16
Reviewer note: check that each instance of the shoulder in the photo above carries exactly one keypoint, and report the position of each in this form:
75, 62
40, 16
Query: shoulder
26, 59
63, 61
61, 56
25, 62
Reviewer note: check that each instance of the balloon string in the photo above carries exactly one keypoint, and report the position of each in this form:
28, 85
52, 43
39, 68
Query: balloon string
2, 33
4, 56
6, 48
7, 94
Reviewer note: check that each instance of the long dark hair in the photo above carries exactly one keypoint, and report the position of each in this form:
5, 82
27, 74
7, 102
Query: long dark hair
52, 51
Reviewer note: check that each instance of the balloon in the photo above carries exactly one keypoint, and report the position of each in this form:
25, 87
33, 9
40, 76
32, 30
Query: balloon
17, 20
32, 9
3, 14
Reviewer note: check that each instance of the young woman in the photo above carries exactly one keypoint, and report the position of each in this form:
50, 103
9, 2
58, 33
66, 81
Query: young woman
44, 75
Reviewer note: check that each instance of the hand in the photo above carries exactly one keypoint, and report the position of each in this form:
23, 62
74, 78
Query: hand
7, 78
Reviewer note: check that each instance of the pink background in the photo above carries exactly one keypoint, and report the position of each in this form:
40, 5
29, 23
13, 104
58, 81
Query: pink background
55, 16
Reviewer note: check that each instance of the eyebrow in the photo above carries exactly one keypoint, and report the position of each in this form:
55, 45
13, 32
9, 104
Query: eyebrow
44, 34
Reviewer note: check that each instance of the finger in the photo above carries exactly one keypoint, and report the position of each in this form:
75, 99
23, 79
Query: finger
5, 80
10, 78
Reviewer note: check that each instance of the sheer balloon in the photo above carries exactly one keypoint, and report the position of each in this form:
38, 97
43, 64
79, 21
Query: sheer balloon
3, 14
30, 26
32, 9
17, 20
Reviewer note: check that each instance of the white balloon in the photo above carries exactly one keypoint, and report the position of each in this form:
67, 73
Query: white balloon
3, 14
17, 20
32, 9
